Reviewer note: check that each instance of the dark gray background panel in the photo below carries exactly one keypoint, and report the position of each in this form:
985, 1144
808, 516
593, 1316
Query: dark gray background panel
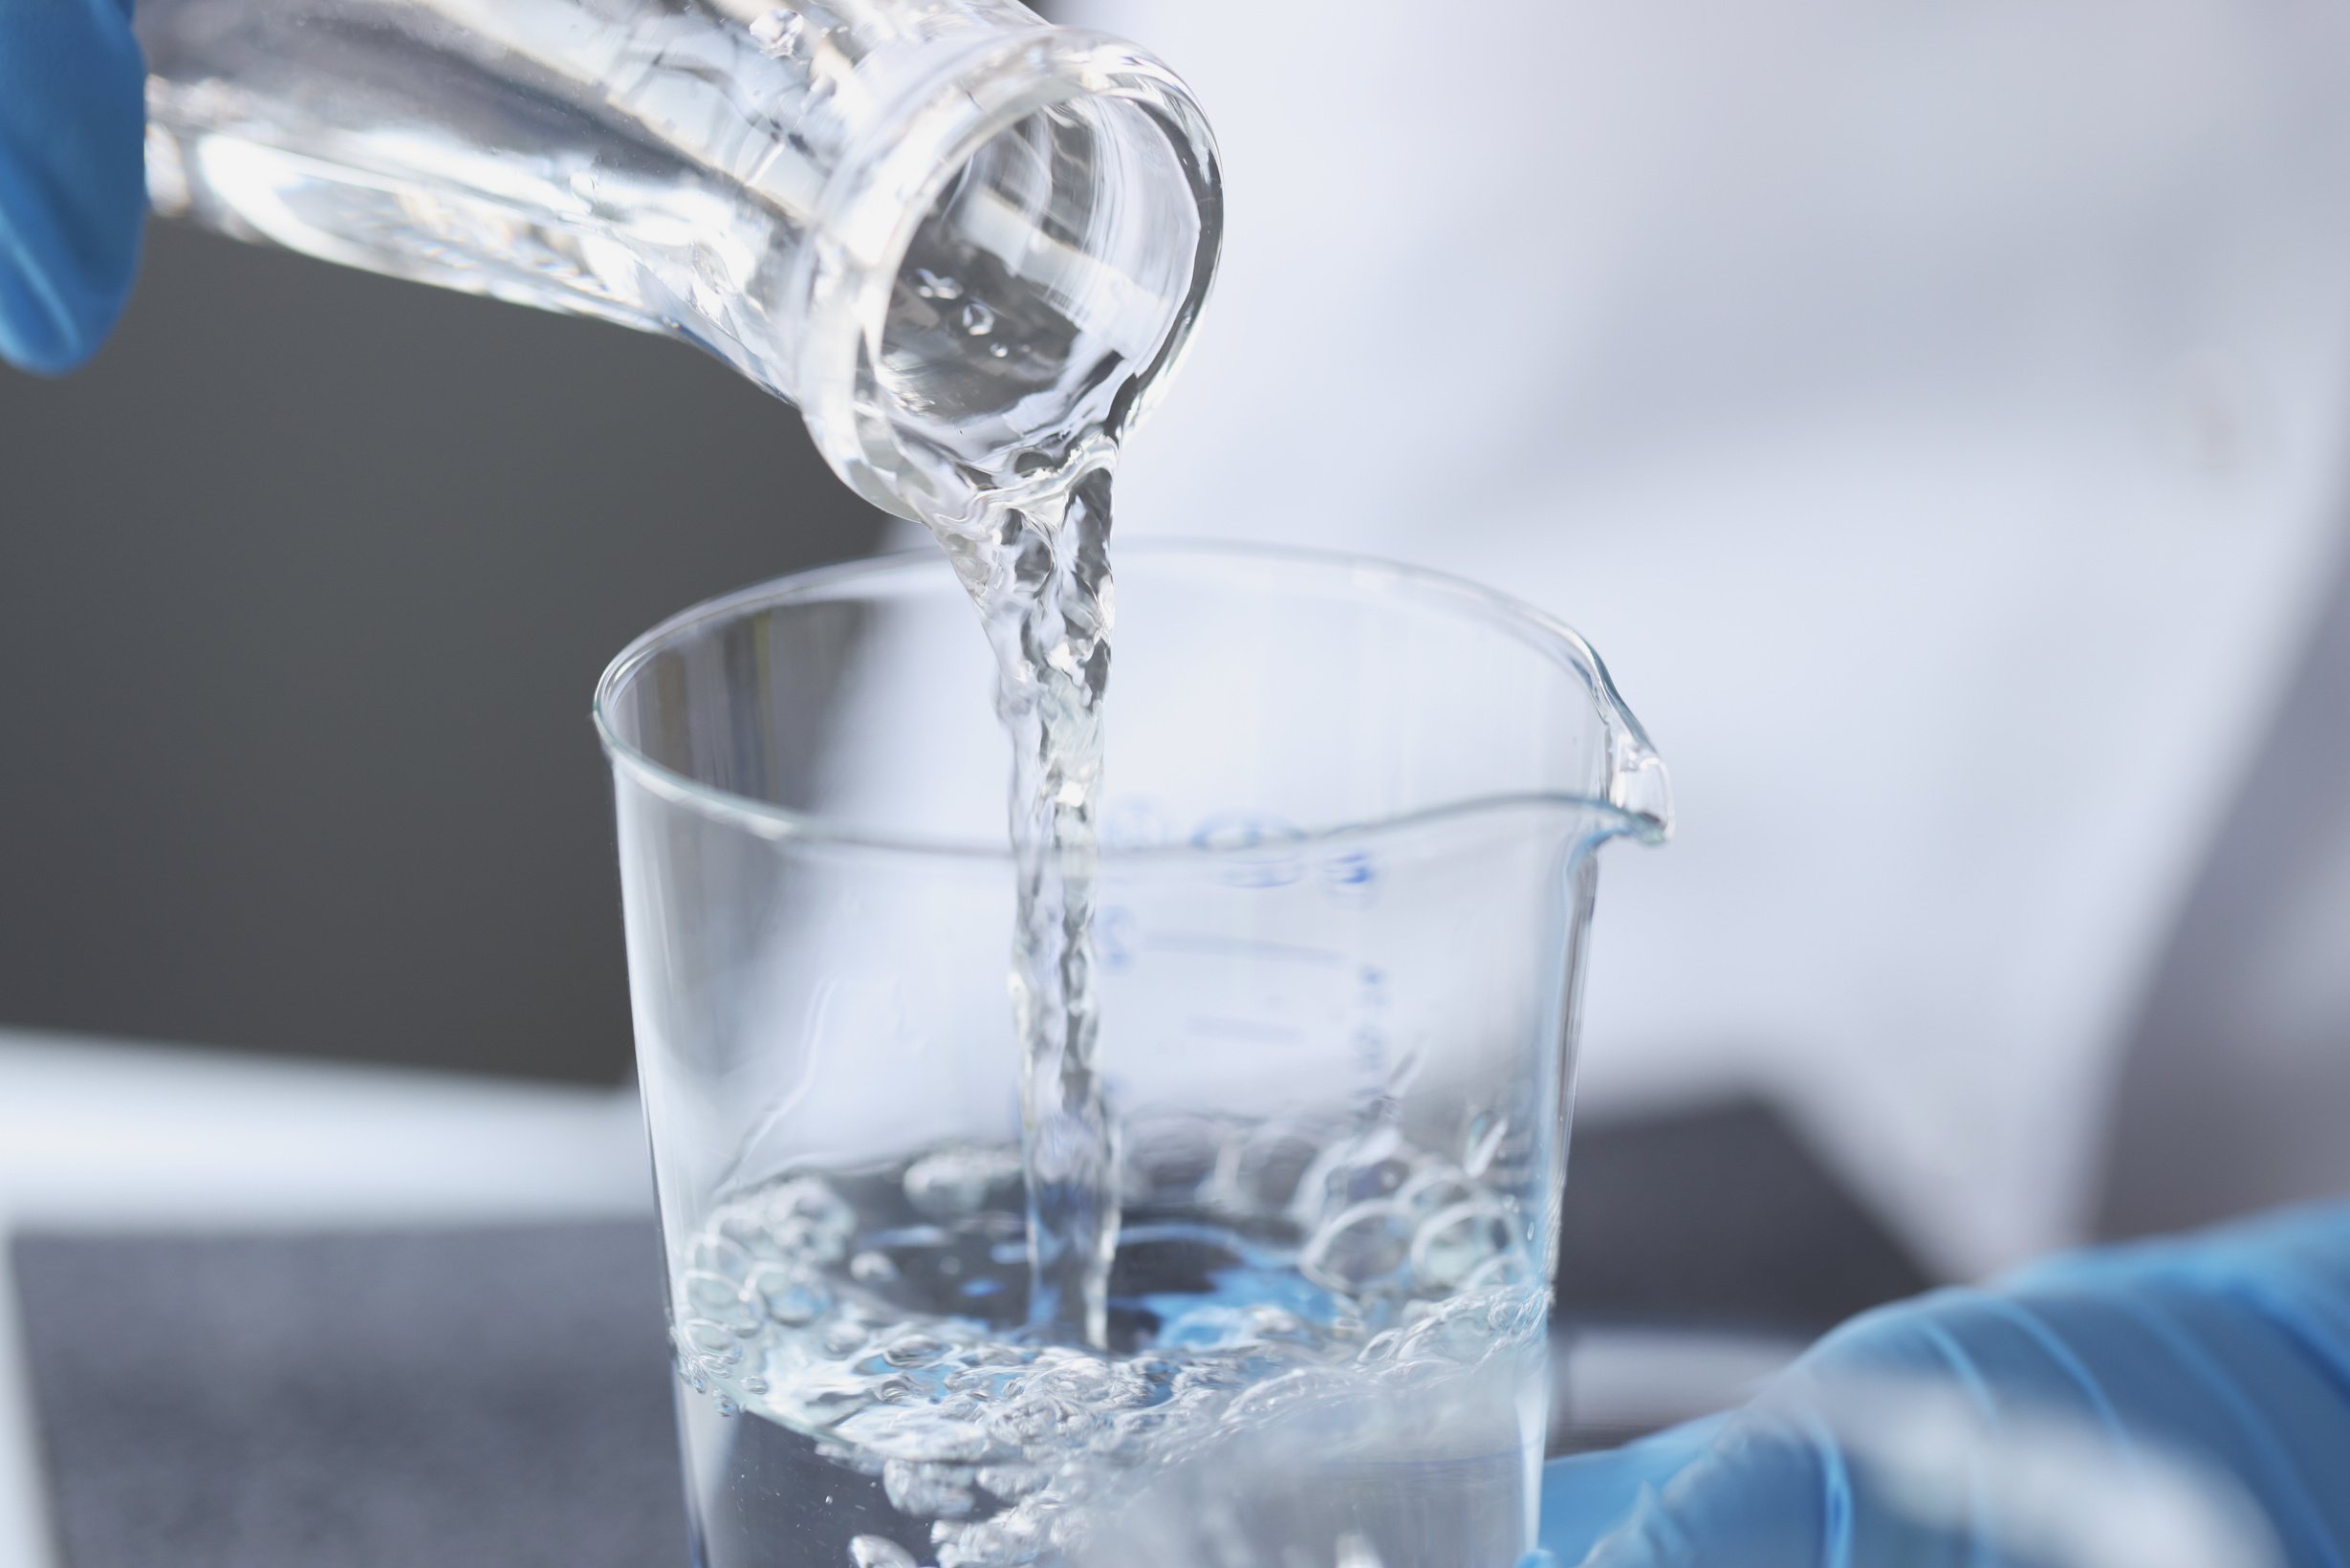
307, 583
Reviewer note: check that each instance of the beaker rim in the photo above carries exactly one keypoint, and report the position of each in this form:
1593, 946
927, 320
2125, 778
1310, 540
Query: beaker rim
1640, 806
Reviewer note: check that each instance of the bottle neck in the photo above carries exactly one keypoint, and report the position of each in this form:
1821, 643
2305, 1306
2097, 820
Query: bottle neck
964, 241
996, 279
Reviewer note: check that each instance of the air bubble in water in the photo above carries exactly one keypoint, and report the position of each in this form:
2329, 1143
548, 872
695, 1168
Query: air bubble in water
1454, 1338
1012, 1537
1435, 1189
791, 1296
955, 1182
978, 319
808, 1219
879, 1551
1485, 1136
1168, 1157
1454, 1243
1269, 1162
928, 1492
718, 1299
1507, 1273
916, 1349
1003, 1445
712, 1340
1013, 1482
723, 1253
1040, 1421
1358, 1171
1363, 1248
777, 33
1092, 1383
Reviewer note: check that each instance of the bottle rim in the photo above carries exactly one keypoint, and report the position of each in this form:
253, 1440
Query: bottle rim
884, 188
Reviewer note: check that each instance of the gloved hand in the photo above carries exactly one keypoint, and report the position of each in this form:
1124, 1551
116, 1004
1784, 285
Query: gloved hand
2230, 1350
73, 176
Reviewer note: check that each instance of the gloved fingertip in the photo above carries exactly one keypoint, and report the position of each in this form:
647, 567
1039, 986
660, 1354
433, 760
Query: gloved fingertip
1650, 1536
38, 332
1755, 1498
73, 185
1587, 1495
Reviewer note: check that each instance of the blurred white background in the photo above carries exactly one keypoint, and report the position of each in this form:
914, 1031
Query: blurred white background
1935, 416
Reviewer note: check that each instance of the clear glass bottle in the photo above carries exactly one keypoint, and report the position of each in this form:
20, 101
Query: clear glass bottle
955, 236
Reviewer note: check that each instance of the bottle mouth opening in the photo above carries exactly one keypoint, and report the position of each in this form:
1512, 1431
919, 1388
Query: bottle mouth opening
1011, 275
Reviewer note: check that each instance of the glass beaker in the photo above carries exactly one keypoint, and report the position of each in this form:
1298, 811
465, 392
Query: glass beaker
1346, 870
950, 233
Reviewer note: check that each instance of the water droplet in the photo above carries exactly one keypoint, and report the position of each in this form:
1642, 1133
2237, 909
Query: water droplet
978, 319
777, 33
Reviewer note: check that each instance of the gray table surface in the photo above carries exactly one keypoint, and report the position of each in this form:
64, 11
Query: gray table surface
491, 1397
499, 1395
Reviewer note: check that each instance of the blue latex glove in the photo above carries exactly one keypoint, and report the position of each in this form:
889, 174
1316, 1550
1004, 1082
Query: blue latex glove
2230, 1349
73, 176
